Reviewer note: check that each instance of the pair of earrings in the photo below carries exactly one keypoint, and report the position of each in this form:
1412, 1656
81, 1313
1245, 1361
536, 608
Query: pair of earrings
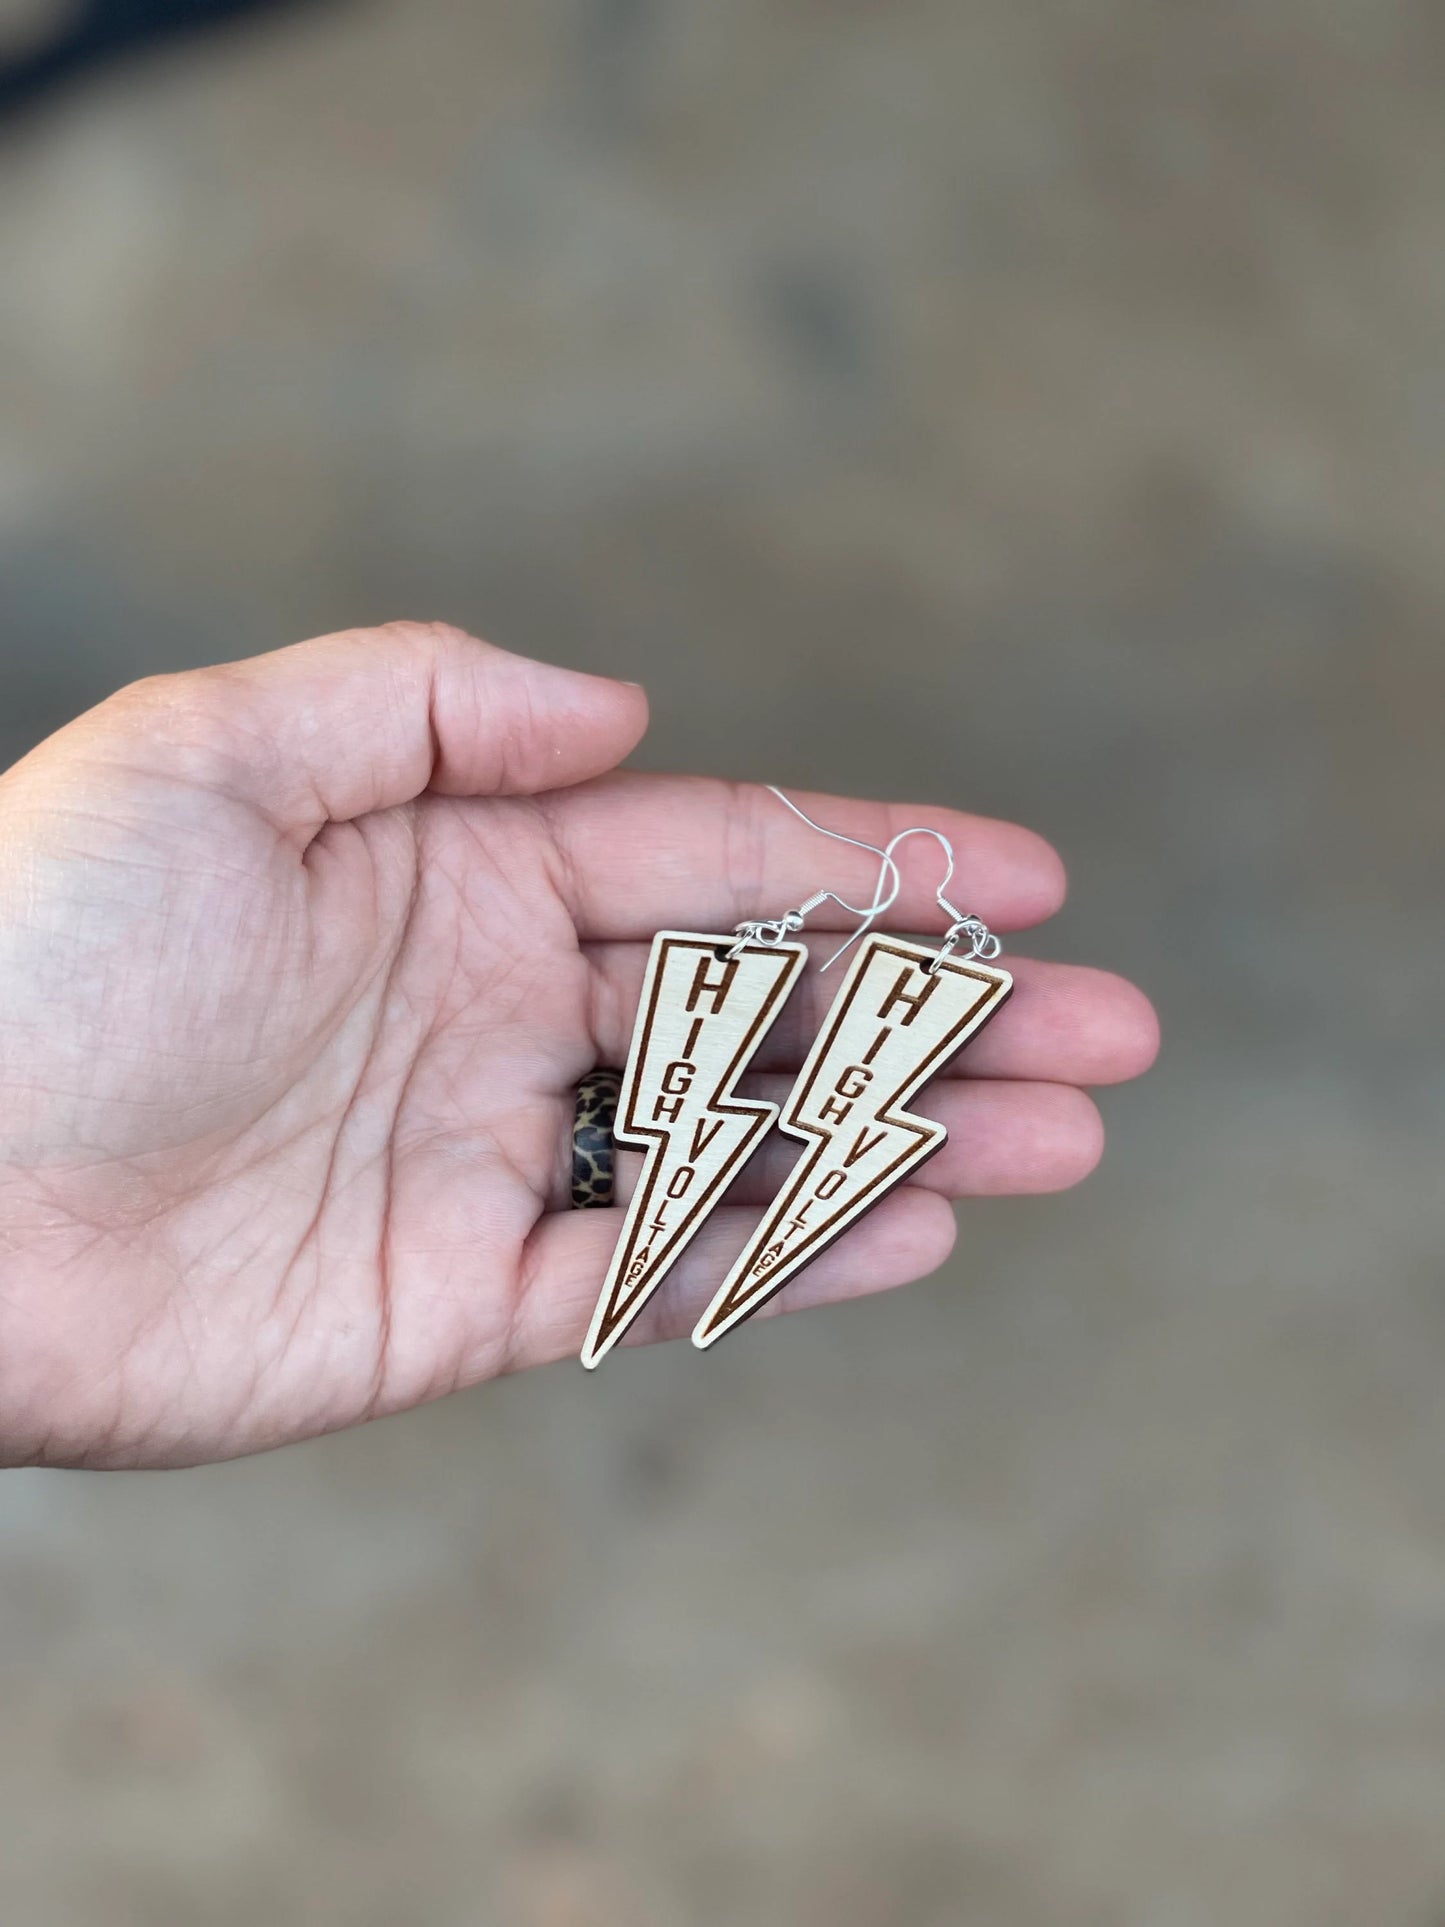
708, 1001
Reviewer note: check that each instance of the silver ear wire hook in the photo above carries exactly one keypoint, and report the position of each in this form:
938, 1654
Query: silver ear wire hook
981, 940
963, 926
773, 930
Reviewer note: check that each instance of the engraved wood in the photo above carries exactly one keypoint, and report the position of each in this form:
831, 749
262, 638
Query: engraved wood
702, 1016
894, 1024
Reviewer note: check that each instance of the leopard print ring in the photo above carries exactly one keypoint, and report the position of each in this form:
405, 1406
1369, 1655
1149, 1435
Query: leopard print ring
593, 1157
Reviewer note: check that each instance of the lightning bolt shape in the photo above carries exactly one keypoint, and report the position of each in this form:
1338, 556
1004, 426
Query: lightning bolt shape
901, 1014
703, 1014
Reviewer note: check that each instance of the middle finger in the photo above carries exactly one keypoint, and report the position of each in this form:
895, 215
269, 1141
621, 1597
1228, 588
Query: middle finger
1064, 1023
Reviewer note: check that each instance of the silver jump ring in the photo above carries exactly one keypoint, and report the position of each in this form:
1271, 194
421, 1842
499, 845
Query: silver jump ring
769, 930
982, 943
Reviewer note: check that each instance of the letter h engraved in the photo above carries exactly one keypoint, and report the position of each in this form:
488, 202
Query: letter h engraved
915, 1000
716, 987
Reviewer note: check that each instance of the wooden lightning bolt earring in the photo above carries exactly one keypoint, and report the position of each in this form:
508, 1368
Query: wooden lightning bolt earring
708, 1001
903, 1010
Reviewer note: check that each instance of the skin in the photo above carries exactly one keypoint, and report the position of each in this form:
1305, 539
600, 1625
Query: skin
300, 961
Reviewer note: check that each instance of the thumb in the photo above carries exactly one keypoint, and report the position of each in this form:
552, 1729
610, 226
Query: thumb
335, 728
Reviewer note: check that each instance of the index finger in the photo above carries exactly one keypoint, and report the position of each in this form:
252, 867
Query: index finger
640, 853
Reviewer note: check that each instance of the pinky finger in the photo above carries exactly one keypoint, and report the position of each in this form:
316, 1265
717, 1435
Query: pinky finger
909, 1235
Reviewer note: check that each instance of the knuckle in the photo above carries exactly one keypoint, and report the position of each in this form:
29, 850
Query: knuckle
420, 637
744, 850
189, 722
188, 696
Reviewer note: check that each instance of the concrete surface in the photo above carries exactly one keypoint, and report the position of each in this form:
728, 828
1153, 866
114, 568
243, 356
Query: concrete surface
1029, 405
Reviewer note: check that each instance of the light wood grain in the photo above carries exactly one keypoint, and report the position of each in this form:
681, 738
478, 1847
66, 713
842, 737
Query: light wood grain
702, 1015
901, 1014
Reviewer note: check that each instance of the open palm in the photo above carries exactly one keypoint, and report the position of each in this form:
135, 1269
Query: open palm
300, 962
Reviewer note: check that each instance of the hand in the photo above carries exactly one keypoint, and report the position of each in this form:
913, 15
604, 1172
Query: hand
300, 962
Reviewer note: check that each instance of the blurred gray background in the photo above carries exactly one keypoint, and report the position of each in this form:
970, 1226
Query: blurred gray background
1030, 405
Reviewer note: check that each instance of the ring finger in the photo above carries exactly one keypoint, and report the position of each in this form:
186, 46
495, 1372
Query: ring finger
1004, 1139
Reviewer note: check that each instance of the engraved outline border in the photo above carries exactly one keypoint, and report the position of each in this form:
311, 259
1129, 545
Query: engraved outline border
607, 1325
728, 1308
